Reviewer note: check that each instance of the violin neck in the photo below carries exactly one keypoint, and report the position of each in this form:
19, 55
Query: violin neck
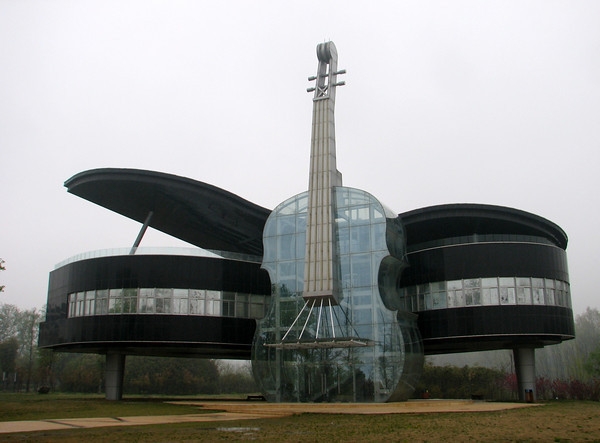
320, 281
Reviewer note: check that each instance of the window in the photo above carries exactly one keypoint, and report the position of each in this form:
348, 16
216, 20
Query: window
72, 305
102, 302
196, 301
163, 303
115, 303
213, 303
256, 308
180, 301
228, 308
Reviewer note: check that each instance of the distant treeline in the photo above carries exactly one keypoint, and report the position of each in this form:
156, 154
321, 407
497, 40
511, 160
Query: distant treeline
569, 370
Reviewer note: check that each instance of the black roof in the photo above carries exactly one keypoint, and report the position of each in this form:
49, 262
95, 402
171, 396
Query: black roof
212, 218
461, 219
196, 212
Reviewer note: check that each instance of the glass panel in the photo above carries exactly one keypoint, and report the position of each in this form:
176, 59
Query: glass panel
438, 286
439, 300
454, 284
456, 299
494, 298
115, 304
377, 214
507, 296
147, 305
378, 236
489, 282
471, 283
550, 299
196, 301
486, 296
180, 305
180, 293
72, 305
213, 305
130, 300
256, 310
241, 305
90, 303
489, 296
164, 292
270, 229
286, 224
286, 247
360, 238
146, 300
538, 296
428, 301
537, 282
359, 215
472, 297
361, 269
524, 296
287, 277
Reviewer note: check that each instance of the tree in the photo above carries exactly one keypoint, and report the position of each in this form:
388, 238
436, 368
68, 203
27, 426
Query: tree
170, 376
8, 321
568, 359
2, 268
82, 373
592, 364
461, 382
28, 326
8, 356
20, 327
236, 379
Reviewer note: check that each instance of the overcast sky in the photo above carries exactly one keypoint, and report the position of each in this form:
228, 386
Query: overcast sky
493, 102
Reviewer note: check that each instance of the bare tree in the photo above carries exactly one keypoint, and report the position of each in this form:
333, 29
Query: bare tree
2, 268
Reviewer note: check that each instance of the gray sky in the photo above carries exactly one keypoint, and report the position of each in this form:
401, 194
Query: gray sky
493, 102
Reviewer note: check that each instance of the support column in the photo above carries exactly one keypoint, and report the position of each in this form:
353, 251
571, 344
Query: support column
525, 369
115, 367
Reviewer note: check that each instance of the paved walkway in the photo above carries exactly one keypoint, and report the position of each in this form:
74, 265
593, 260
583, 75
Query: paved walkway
249, 410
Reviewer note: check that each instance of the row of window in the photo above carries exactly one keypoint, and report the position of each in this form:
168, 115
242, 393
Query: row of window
167, 301
486, 292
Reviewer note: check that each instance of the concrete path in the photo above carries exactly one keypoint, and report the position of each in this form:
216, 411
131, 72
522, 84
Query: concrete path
249, 410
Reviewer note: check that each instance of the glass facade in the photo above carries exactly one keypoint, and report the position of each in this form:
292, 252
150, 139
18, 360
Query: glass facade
493, 291
171, 301
360, 349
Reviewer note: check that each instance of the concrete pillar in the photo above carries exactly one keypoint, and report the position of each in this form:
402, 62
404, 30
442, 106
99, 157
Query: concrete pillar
115, 367
525, 369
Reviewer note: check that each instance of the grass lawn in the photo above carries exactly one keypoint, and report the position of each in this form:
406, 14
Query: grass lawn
15, 407
555, 422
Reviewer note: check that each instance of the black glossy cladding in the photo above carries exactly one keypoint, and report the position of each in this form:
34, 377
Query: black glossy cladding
485, 260
463, 219
470, 242
494, 327
152, 334
196, 212
162, 335
160, 271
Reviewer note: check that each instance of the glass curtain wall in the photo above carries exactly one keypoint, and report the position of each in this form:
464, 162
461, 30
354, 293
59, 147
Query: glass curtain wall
361, 349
